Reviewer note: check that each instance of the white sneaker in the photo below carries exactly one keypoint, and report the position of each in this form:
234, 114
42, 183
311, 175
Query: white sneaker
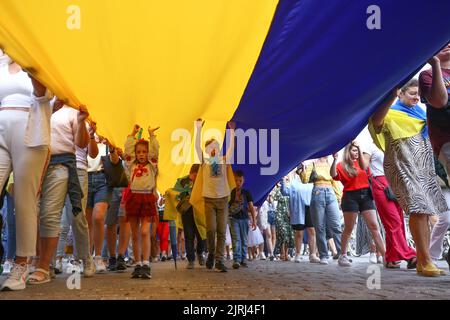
343, 261
99, 265
7, 267
262, 256
313, 258
58, 266
373, 258
76, 267
324, 261
69, 268
298, 258
380, 260
88, 267
17, 278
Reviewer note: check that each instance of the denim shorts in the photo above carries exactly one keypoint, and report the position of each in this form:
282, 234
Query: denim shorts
115, 211
271, 218
98, 189
358, 201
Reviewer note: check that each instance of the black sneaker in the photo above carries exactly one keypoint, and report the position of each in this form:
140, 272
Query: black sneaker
137, 272
164, 258
146, 272
236, 265
220, 267
210, 261
121, 265
112, 264
244, 264
201, 259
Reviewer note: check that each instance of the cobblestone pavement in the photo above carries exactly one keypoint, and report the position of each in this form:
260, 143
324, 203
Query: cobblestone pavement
261, 281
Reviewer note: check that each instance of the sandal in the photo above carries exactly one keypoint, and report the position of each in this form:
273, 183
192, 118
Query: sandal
412, 263
392, 265
38, 279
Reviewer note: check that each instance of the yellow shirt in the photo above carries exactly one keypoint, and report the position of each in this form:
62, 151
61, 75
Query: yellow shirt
324, 177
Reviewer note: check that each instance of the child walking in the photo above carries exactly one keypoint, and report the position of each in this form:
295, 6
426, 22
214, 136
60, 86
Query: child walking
140, 197
241, 210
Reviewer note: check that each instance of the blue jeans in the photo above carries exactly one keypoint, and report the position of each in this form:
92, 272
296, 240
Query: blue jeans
239, 236
325, 215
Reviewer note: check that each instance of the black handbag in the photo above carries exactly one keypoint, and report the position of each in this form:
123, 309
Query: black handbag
114, 173
314, 176
390, 194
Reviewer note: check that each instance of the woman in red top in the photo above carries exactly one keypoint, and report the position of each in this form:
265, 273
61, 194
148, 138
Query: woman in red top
352, 172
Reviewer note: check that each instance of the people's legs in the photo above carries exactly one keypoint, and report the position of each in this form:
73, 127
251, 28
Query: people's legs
189, 234
135, 235
298, 241
145, 239
349, 224
163, 228
317, 211
438, 235
236, 239
29, 168
222, 219
370, 217
333, 219
124, 235
268, 233
391, 216
243, 230
211, 226
418, 225
273, 231
65, 227
98, 222
153, 242
79, 222
54, 191
312, 241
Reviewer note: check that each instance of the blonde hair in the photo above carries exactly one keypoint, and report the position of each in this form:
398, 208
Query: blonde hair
348, 162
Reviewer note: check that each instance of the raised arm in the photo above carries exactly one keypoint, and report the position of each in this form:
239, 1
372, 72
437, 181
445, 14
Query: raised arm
363, 163
437, 96
377, 118
285, 188
198, 139
130, 155
230, 150
153, 147
333, 171
92, 146
82, 134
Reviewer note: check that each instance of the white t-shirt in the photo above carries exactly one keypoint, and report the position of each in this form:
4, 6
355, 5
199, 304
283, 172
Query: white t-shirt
64, 125
81, 154
215, 185
376, 160
15, 89
96, 165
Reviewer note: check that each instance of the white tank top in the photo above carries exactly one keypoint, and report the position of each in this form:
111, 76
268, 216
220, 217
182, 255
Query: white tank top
15, 89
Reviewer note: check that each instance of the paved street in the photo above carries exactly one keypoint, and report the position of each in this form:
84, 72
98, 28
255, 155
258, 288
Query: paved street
262, 280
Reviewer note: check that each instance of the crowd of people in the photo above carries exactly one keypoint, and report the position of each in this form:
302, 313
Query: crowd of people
74, 202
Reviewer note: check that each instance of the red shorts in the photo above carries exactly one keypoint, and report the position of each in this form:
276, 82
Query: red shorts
141, 205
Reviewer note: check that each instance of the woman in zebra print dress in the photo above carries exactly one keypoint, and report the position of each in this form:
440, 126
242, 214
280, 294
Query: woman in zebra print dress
408, 163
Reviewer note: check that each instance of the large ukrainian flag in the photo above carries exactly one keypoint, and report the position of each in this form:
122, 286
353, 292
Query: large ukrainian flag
310, 68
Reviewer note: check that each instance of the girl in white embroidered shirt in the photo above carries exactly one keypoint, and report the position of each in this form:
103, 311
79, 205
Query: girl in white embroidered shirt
141, 157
